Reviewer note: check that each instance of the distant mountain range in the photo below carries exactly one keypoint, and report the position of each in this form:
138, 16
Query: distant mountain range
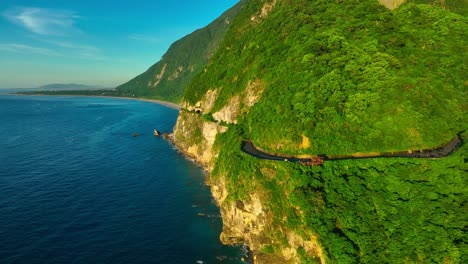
68, 86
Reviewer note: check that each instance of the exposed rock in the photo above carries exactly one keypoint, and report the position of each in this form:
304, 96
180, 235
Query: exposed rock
229, 112
295, 241
253, 92
243, 222
205, 105
176, 73
196, 136
158, 78
250, 96
392, 4
237, 105
248, 221
266, 9
210, 130
305, 142
209, 100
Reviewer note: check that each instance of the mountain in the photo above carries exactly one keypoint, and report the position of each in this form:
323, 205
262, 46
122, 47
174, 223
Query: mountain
312, 78
185, 58
69, 86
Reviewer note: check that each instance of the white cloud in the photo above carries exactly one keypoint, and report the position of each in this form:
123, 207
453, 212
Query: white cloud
54, 34
61, 49
44, 21
26, 49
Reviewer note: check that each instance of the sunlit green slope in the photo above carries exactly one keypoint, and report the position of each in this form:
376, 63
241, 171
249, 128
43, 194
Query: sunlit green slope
342, 77
167, 78
350, 76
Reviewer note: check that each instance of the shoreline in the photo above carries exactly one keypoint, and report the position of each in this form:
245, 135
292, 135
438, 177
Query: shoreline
249, 257
154, 101
169, 137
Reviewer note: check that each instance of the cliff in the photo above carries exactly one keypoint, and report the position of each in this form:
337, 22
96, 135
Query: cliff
247, 220
343, 77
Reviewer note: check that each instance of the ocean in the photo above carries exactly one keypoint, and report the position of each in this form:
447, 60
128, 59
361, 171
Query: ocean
77, 187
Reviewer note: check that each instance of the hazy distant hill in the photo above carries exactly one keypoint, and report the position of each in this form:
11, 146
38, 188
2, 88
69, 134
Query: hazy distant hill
185, 58
68, 86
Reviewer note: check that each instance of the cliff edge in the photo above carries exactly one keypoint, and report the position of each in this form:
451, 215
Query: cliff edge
312, 77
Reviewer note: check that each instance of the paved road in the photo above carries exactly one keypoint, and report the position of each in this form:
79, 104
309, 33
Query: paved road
439, 152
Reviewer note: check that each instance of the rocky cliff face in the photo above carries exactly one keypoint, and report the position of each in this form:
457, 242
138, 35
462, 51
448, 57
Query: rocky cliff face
289, 77
195, 136
247, 221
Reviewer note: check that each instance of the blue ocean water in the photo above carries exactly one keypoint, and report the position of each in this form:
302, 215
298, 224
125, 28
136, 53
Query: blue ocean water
76, 187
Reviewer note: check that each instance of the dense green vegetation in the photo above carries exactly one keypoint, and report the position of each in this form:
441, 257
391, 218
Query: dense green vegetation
350, 72
365, 211
184, 59
351, 76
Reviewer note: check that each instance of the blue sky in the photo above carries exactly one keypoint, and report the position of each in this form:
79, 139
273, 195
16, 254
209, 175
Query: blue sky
100, 42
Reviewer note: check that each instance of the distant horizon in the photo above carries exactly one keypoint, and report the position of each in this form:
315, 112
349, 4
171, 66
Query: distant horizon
92, 43
37, 87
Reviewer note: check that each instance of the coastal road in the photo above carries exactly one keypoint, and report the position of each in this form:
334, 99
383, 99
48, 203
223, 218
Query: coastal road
439, 152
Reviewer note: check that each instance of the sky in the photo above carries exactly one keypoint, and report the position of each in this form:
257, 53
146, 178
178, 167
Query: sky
93, 42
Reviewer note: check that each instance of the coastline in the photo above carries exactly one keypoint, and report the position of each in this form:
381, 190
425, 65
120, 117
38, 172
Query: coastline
249, 257
154, 101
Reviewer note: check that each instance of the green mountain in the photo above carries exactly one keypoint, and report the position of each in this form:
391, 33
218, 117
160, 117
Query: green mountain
185, 58
305, 78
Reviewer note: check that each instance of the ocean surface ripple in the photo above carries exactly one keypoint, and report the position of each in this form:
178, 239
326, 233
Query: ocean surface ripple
76, 187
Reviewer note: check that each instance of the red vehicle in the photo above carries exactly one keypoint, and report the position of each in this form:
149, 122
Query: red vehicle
315, 161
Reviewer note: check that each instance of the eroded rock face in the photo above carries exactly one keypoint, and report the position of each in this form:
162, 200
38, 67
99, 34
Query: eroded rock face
230, 112
236, 106
248, 221
253, 92
176, 73
266, 9
195, 137
392, 4
241, 104
243, 221
209, 100
158, 77
295, 241
205, 105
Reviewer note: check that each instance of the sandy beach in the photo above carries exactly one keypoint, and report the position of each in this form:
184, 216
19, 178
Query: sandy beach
165, 103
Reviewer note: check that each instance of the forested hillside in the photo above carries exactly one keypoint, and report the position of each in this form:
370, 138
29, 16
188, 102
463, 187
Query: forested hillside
185, 58
341, 77
351, 72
